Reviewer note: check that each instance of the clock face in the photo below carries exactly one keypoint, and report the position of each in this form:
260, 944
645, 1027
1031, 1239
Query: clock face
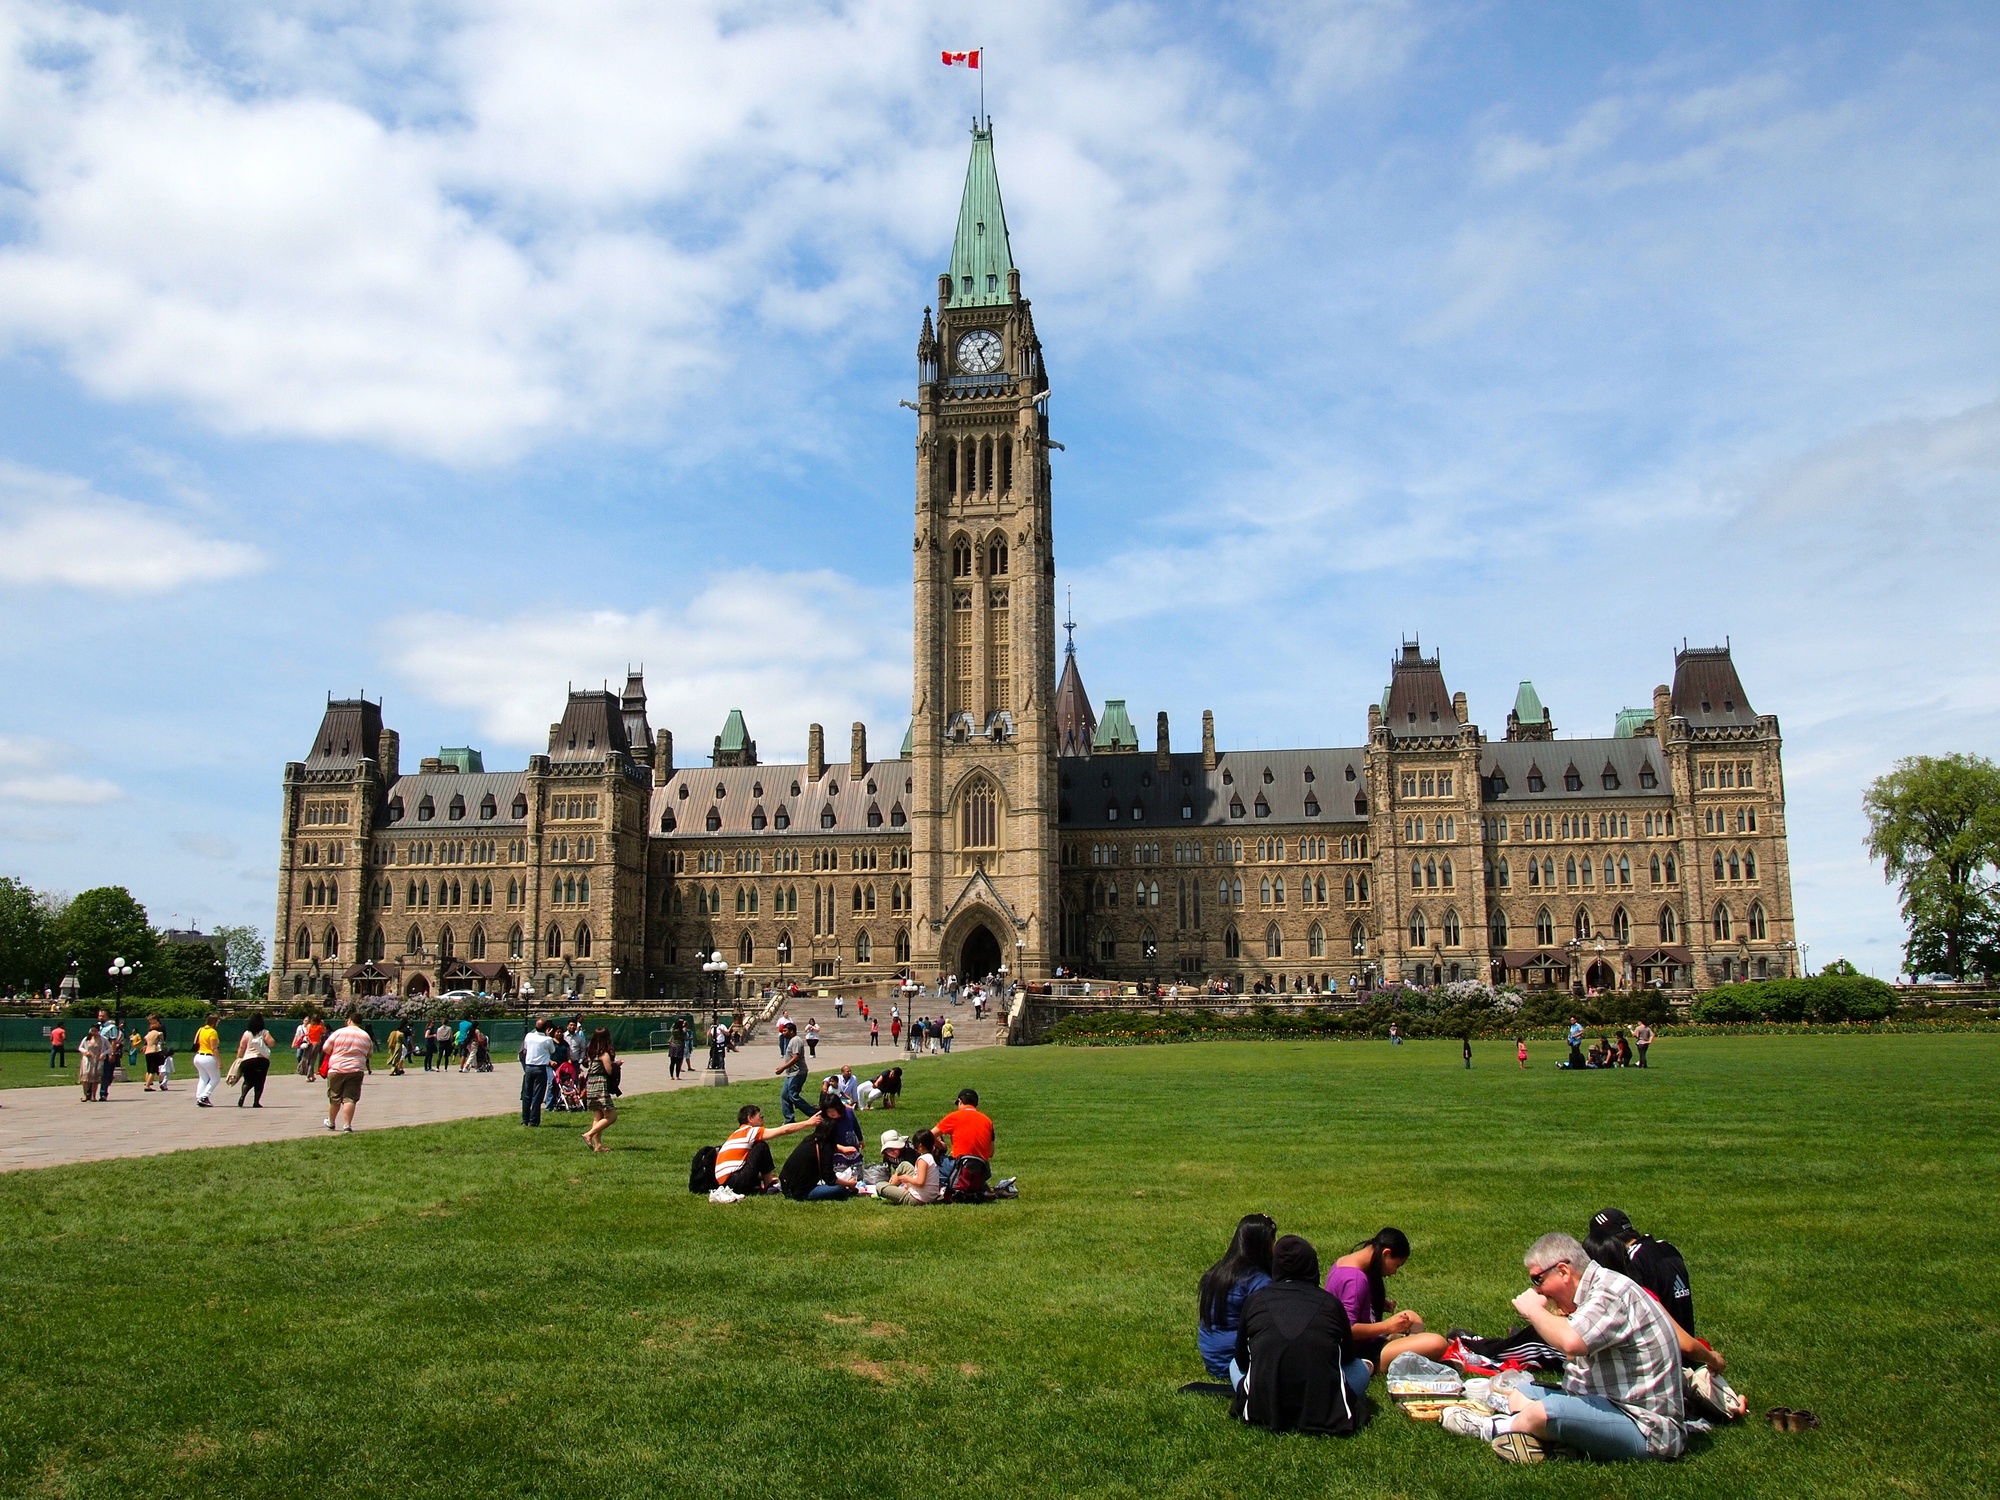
979, 352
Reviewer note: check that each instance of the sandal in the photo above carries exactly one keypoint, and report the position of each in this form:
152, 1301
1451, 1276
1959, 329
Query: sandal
1802, 1421
1780, 1418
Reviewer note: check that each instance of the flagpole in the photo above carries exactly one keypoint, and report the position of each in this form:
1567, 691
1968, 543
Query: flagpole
986, 122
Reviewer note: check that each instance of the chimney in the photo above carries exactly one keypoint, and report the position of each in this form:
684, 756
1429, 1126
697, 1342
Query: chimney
815, 753
1663, 702
390, 745
663, 756
1458, 707
1374, 719
857, 751
1207, 739
1162, 757
430, 765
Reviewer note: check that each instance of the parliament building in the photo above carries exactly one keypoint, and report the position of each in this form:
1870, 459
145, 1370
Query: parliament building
1018, 829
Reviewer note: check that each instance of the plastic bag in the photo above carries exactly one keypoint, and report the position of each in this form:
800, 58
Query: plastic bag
1495, 1396
1413, 1375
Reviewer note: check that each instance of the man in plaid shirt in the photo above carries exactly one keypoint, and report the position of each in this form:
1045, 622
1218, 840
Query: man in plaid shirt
1621, 1395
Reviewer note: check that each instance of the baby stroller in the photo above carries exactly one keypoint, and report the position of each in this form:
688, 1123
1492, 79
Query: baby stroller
569, 1088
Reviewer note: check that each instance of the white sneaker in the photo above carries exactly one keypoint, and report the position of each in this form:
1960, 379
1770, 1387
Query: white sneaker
725, 1195
1468, 1423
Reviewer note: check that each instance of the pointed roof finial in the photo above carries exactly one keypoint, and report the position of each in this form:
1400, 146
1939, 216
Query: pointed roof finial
1069, 622
980, 254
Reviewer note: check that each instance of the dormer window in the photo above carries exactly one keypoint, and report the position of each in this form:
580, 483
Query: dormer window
1268, 777
684, 791
456, 808
874, 816
897, 817
1361, 804
488, 808
795, 789
1647, 778
1312, 806
1111, 812
715, 820
833, 789
520, 804
1572, 780
1228, 778
781, 820
1610, 777
1235, 807
826, 817
1350, 773
1499, 782
667, 821
721, 791
757, 790
757, 819
1309, 773
1138, 811
1535, 782
426, 809
1187, 811
395, 809
1105, 780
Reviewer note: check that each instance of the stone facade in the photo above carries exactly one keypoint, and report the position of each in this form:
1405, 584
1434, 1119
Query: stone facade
1016, 829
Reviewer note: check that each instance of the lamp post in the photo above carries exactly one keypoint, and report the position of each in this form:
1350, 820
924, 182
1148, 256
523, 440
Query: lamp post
527, 1000
715, 966
120, 971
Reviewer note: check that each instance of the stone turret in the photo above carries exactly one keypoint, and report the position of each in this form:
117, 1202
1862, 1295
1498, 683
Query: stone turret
815, 753
857, 751
1208, 739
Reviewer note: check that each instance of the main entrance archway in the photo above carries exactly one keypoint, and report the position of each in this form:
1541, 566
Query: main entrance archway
1600, 976
979, 954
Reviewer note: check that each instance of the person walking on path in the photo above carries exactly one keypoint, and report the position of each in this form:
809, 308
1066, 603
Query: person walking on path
253, 1062
1395, 1035
812, 1036
1468, 1052
58, 1047
111, 1047
676, 1051
207, 1066
347, 1054
791, 1100
895, 1029
1521, 1052
537, 1047
301, 1038
156, 1053
89, 1052
599, 1071
874, 1033
945, 1031
430, 1047
1642, 1038
399, 1048
1575, 1044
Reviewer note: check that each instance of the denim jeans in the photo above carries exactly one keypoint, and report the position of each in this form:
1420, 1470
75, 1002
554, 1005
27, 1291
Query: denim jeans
1592, 1425
534, 1084
792, 1101
828, 1190
1354, 1374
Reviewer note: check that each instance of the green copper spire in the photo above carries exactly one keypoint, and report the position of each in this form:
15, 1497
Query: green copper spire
980, 255
1528, 705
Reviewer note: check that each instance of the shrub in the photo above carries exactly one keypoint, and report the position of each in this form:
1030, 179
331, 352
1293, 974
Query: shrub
167, 1008
1825, 997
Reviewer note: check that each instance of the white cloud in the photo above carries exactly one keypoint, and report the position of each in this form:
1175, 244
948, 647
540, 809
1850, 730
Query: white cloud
33, 771
207, 845
538, 217
55, 529
786, 648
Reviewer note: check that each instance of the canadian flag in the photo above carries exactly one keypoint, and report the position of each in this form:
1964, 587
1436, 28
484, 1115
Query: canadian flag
962, 59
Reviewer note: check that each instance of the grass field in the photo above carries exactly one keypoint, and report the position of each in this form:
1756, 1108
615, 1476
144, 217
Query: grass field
28, 1070
478, 1310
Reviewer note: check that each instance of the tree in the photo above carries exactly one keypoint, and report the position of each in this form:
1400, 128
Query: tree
191, 969
24, 935
1934, 822
98, 926
243, 955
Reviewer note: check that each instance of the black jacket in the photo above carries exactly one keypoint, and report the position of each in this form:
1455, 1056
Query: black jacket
1291, 1343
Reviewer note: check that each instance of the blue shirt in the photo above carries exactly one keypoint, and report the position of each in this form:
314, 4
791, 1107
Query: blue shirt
1218, 1345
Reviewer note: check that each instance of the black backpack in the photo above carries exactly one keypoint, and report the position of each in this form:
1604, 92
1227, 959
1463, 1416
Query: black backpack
971, 1181
701, 1176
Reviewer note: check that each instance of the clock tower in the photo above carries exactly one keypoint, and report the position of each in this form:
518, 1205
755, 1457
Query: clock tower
983, 750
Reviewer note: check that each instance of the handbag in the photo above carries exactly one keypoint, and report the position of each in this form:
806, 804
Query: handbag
235, 1073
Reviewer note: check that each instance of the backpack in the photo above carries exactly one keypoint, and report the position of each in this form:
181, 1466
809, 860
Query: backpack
970, 1179
701, 1175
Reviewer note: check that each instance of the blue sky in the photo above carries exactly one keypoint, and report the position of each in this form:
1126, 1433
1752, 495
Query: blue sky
459, 352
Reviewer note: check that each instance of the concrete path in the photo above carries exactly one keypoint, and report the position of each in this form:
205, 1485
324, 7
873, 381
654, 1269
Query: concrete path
48, 1127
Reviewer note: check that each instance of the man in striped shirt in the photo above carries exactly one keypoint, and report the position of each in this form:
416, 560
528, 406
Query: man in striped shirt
347, 1054
743, 1163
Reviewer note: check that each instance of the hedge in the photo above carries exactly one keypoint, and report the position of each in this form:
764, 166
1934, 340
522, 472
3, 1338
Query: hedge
1825, 997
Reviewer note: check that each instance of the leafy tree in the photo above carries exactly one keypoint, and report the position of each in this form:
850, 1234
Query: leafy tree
24, 935
243, 955
192, 969
98, 926
1934, 822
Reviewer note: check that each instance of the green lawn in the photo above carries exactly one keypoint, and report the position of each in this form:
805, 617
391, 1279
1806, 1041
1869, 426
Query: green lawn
29, 1070
478, 1310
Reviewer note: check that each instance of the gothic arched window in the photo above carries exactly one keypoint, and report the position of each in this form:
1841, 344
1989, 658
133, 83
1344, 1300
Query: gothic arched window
978, 818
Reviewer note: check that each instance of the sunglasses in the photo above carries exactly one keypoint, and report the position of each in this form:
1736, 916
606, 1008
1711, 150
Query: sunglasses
1535, 1277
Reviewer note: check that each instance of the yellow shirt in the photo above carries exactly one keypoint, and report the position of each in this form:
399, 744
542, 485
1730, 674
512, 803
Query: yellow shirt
206, 1041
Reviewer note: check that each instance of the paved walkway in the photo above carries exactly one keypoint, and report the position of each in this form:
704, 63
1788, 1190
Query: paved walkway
49, 1127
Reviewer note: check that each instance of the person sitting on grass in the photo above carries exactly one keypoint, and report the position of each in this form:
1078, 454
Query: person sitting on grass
965, 1131
1381, 1331
1621, 1395
1657, 1266
1245, 1267
811, 1174
847, 1144
888, 1088
1295, 1368
743, 1162
919, 1180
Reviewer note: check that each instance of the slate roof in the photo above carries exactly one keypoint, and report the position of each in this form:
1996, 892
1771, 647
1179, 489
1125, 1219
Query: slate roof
1707, 691
593, 722
740, 799
1091, 787
442, 786
350, 732
1076, 721
1626, 757
1418, 702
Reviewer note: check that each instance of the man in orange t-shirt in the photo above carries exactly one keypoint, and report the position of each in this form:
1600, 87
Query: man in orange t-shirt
969, 1131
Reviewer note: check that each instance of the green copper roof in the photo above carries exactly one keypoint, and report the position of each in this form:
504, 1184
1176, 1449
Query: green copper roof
980, 255
735, 734
909, 740
1114, 730
464, 757
1630, 722
1528, 706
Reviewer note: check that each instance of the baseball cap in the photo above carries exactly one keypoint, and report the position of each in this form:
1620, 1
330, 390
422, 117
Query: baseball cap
1611, 1221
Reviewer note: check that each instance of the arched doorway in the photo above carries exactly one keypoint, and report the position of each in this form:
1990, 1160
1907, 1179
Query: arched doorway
1600, 976
418, 985
979, 954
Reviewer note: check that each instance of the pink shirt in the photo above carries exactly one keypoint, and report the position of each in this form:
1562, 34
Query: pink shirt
347, 1050
1351, 1288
